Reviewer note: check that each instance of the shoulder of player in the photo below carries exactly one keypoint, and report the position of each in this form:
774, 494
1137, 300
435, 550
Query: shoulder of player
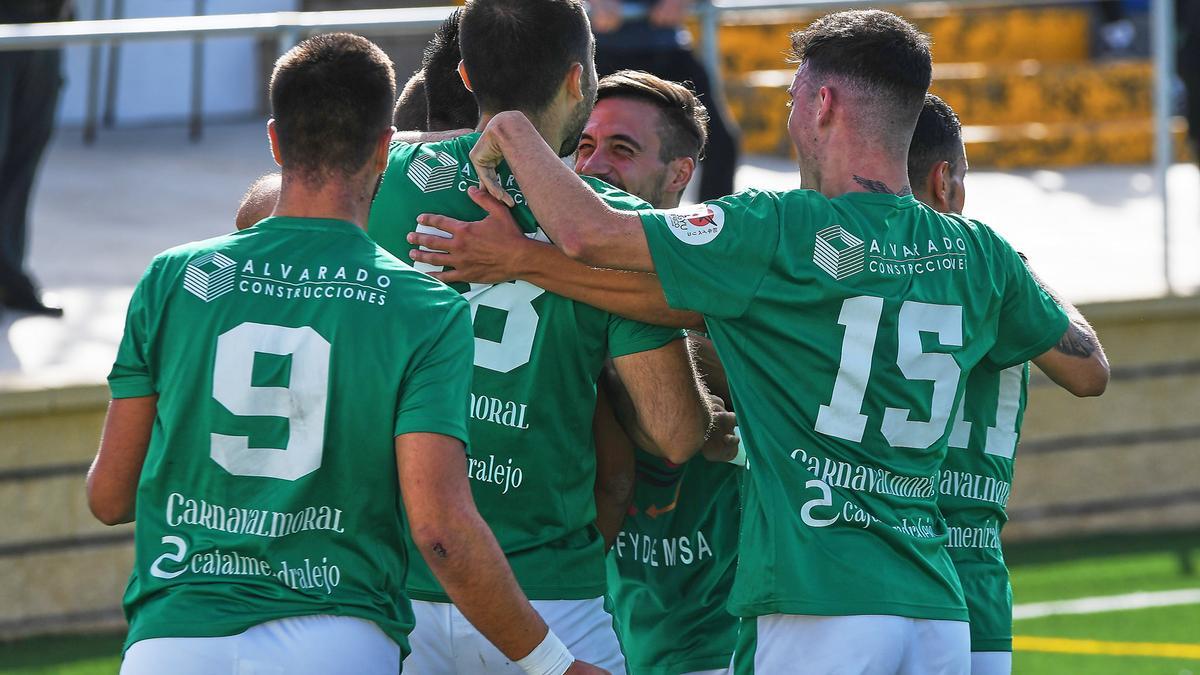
616, 197
404, 275
459, 147
182, 254
985, 235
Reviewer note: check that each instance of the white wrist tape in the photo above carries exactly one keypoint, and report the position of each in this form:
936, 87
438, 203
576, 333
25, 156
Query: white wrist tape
549, 658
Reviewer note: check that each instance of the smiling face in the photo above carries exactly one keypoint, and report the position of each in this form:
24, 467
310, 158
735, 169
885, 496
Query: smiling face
622, 146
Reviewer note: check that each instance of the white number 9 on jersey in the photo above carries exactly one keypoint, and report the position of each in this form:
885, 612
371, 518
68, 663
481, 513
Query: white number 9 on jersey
303, 402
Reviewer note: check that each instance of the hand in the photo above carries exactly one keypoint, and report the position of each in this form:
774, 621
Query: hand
606, 15
670, 13
581, 668
722, 444
484, 252
487, 155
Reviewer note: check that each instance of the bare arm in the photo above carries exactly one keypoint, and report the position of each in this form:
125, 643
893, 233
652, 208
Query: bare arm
494, 250
615, 470
112, 481
721, 444
428, 136
1077, 363
666, 399
459, 546
578, 221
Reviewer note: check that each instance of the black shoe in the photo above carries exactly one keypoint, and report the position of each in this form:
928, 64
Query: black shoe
30, 302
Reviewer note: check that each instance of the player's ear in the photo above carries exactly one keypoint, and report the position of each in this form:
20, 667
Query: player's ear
381, 150
680, 172
466, 79
825, 105
574, 81
940, 185
273, 135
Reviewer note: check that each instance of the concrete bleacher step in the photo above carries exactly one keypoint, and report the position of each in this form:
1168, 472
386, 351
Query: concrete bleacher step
1124, 461
1039, 145
752, 41
1032, 91
1025, 114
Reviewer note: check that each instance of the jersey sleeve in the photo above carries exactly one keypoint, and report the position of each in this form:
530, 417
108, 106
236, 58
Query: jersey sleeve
712, 257
631, 337
131, 376
1030, 322
435, 392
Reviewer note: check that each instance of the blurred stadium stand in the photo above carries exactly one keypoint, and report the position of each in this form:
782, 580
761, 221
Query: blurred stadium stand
1022, 79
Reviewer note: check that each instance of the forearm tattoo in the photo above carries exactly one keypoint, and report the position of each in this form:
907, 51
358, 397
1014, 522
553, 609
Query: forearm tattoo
1077, 341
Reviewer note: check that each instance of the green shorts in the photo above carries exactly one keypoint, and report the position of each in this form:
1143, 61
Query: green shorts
989, 602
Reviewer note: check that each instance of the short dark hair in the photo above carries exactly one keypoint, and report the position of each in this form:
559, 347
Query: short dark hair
685, 119
875, 50
937, 138
331, 97
451, 105
517, 51
412, 108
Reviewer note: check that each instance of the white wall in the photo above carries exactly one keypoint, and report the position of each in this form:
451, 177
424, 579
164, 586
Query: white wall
154, 78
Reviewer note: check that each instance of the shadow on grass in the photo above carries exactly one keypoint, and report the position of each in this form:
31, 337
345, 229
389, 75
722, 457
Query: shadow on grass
1183, 544
53, 653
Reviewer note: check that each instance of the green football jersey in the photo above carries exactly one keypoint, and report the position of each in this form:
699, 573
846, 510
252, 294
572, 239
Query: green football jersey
285, 358
671, 567
847, 327
973, 490
537, 359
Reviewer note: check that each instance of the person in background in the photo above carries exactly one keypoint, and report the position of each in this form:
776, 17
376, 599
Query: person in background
29, 84
660, 44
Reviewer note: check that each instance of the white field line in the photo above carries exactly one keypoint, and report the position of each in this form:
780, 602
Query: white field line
1107, 603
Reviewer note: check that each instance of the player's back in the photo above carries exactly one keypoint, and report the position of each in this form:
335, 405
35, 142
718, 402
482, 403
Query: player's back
974, 486
672, 564
537, 358
282, 357
856, 318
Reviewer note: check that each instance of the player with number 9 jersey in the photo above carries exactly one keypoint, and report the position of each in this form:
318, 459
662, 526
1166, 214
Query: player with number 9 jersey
269, 488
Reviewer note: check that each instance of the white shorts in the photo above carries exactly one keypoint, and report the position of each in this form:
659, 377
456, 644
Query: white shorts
445, 643
301, 645
991, 663
856, 645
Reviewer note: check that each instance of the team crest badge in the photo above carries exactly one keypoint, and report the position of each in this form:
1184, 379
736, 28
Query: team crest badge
697, 224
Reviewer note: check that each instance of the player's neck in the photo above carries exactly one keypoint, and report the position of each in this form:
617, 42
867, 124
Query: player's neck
539, 122
869, 171
332, 199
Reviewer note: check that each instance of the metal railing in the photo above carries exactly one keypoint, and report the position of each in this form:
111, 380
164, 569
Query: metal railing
289, 27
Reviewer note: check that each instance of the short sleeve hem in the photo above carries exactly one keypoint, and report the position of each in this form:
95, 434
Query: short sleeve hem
431, 426
1048, 340
131, 387
645, 344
